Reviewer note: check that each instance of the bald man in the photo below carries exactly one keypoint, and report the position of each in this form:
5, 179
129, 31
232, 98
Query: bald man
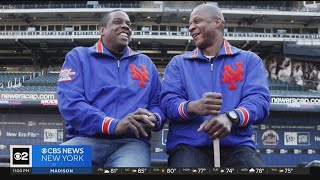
215, 91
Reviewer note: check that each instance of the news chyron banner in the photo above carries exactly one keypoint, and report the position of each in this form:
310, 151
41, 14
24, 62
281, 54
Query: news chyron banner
51, 159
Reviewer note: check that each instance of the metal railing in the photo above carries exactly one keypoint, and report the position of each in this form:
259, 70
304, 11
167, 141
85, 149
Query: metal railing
21, 34
138, 5
75, 5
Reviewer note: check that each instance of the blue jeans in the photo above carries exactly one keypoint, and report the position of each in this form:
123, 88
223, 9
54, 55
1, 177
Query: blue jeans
126, 152
188, 156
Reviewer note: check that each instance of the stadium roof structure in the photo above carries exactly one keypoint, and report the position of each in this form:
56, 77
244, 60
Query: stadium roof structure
44, 32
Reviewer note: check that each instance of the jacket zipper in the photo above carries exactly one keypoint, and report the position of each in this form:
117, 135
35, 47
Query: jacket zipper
119, 85
211, 61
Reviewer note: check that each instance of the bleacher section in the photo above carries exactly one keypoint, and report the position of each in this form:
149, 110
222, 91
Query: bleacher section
288, 93
279, 85
43, 83
8, 79
280, 88
49, 79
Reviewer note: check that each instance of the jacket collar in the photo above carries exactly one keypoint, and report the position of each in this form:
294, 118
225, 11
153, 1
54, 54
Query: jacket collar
226, 50
99, 48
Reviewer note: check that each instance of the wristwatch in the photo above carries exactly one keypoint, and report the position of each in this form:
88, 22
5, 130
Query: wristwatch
233, 117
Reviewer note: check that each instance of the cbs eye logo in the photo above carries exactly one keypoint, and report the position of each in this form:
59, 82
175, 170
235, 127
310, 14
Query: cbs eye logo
20, 156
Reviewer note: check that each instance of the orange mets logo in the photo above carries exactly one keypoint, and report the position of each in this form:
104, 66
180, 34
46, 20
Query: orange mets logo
231, 76
137, 74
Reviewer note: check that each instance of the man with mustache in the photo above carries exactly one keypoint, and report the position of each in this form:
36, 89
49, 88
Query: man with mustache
217, 91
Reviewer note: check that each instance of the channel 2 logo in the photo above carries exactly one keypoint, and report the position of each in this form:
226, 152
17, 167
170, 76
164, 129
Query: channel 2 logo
21, 156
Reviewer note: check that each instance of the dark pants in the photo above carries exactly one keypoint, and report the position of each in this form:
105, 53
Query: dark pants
188, 156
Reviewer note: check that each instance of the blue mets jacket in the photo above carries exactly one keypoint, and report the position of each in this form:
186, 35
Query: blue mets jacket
96, 90
238, 75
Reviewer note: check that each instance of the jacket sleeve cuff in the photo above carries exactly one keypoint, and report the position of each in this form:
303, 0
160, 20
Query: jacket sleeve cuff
109, 125
182, 109
244, 116
159, 124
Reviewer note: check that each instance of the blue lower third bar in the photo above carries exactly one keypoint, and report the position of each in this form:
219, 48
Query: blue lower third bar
61, 170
